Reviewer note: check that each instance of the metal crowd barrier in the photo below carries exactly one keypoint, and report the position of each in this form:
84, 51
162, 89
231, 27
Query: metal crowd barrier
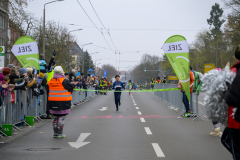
28, 105
173, 99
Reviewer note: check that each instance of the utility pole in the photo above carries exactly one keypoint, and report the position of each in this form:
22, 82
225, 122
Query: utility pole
217, 55
125, 76
89, 62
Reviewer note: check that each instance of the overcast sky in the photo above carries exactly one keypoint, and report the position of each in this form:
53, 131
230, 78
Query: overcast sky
136, 26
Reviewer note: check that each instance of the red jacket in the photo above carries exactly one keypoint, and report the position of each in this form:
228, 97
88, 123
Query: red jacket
232, 123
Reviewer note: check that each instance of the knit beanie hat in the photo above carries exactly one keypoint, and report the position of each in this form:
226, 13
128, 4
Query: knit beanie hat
22, 71
10, 65
41, 74
58, 70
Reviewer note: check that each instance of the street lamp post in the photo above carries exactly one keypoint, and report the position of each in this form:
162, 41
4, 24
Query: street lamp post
44, 24
83, 56
70, 49
96, 61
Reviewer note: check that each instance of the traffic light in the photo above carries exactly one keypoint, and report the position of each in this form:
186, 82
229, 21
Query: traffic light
145, 70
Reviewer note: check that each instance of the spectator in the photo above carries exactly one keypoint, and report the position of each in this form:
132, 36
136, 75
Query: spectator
59, 106
66, 75
72, 75
51, 66
43, 65
185, 99
230, 138
78, 72
15, 76
165, 79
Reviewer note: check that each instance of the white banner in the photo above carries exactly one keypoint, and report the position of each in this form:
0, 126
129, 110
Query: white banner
176, 47
24, 49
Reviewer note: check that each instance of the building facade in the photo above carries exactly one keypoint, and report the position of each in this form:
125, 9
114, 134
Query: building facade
3, 23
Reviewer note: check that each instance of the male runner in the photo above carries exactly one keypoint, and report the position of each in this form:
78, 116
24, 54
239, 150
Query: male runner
117, 86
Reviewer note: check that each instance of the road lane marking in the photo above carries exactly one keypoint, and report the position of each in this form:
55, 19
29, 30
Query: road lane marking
79, 143
135, 104
148, 131
137, 108
158, 150
103, 109
139, 113
142, 120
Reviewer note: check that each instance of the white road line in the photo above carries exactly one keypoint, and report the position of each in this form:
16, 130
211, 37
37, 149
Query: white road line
158, 150
137, 108
148, 131
142, 120
139, 113
135, 104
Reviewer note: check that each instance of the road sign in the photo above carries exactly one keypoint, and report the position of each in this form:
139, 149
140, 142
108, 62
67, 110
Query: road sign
2, 53
208, 67
172, 78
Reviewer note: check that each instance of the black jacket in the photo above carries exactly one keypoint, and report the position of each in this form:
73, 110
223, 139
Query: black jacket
232, 96
62, 105
84, 85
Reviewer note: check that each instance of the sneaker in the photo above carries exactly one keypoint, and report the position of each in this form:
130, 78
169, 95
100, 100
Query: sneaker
187, 115
62, 136
215, 132
55, 135
119, 103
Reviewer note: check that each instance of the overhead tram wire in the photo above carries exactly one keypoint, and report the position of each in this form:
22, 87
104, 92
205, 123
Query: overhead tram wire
94, 25
103, 25
140, 29
105, 30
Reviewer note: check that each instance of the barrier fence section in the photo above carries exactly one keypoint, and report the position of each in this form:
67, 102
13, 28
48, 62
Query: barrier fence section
173, 99
26, 104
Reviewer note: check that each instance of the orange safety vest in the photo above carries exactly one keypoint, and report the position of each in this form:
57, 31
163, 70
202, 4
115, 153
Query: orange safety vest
57, 92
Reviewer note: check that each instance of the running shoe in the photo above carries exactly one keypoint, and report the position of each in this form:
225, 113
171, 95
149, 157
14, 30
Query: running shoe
62, 136
55, 135
119, 103
187, 115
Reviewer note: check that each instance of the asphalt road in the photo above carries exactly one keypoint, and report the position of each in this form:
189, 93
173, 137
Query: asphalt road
143, 129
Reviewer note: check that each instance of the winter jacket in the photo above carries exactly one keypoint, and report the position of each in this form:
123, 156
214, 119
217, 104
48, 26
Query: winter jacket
2, 78
43, 66
84, 85
13, 76
232, 98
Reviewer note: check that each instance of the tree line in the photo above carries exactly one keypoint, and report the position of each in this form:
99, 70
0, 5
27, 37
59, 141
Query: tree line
57, 36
